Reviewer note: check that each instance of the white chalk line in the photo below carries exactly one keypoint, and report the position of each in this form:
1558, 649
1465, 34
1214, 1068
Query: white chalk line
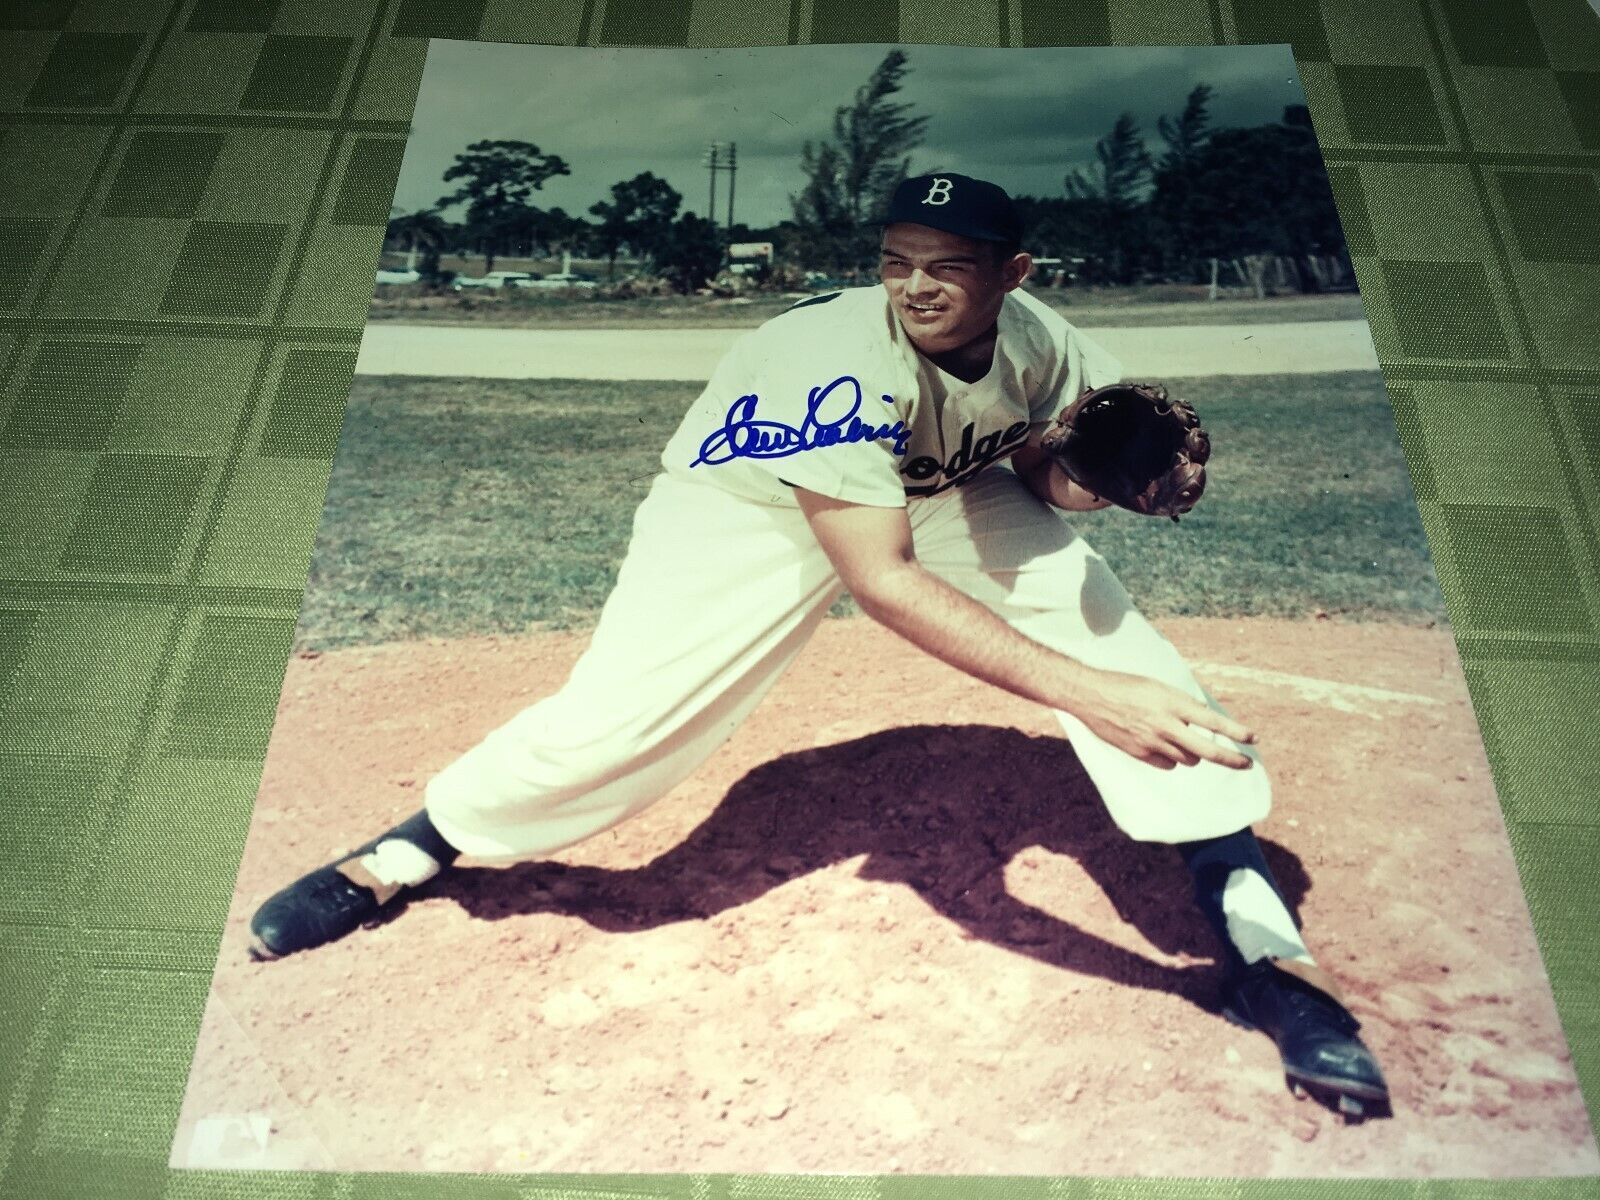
1341, 697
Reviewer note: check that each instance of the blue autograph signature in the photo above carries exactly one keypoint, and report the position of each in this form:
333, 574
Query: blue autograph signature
742, 436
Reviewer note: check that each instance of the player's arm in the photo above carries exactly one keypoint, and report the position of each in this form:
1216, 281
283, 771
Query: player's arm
871, 549
1049, 482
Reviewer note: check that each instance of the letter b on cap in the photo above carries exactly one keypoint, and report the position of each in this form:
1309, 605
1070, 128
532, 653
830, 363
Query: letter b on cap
939, 193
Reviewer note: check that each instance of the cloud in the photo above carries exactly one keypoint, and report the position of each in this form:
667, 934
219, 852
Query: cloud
1022, 117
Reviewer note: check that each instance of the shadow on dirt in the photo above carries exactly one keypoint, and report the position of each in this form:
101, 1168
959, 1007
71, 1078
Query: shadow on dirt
940, 809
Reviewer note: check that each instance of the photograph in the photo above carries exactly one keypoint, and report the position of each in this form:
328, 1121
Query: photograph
870, 617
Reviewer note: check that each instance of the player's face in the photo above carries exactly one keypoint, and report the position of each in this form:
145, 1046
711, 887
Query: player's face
946, 289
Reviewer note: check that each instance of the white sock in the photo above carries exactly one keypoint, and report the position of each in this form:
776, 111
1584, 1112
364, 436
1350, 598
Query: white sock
397, 861
1258, 923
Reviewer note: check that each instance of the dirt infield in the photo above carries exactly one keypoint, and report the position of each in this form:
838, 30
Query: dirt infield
887, 928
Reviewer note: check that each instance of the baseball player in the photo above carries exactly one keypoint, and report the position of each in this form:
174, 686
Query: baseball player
883, 440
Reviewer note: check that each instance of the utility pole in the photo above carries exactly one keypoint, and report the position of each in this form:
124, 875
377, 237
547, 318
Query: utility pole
721, 156
713, 160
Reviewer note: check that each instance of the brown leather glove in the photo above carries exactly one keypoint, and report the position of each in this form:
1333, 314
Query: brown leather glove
1130, 444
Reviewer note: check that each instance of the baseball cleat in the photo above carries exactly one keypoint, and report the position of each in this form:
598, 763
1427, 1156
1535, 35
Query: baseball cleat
333, 901
1298, 1007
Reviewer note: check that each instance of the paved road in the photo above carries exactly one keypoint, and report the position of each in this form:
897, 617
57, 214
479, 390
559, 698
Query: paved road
1310, 347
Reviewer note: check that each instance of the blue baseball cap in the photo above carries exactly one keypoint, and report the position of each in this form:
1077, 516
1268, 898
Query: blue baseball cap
959, 204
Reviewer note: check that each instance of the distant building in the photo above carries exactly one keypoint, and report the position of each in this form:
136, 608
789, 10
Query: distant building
1055, 272
745, 257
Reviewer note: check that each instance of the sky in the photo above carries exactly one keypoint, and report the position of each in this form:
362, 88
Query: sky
1021, 118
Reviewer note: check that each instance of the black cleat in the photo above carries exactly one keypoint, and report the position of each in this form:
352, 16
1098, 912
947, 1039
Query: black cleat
321, 907
1296, 1005
313, 910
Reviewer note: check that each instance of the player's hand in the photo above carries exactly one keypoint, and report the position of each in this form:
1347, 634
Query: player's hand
1158, 724
1073, 498
1051, 484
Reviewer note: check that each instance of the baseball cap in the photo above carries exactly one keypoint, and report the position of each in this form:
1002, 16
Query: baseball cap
959, 204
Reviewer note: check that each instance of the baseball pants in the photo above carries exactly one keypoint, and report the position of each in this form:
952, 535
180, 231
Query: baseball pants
716, 597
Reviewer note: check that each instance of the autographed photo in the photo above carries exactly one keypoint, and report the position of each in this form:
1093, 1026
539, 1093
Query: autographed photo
751, 714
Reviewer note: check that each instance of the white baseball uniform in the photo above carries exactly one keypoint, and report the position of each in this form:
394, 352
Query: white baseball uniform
724, 582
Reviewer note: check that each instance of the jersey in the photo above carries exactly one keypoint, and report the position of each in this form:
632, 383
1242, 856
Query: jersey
832, 396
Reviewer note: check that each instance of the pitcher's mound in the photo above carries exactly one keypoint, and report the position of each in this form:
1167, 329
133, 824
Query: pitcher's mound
887, 928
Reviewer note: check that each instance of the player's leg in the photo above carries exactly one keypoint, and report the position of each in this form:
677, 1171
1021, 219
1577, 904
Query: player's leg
1274, 984
996, 541
1241, 900
715, 598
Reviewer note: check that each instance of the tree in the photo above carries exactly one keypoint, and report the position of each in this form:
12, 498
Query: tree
1187, 136
1244, 196
1062, 228
1121, 169
1177, 212
851, 176
559, 233
690, 253
499, 178
821, 212
1115, 186
875, 138
1263, 191
425, 231
639, 215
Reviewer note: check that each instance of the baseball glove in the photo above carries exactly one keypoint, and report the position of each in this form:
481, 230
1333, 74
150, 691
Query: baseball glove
1130, 444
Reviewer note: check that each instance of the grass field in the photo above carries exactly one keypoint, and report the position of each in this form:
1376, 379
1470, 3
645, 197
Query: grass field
521, 308
461, 507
